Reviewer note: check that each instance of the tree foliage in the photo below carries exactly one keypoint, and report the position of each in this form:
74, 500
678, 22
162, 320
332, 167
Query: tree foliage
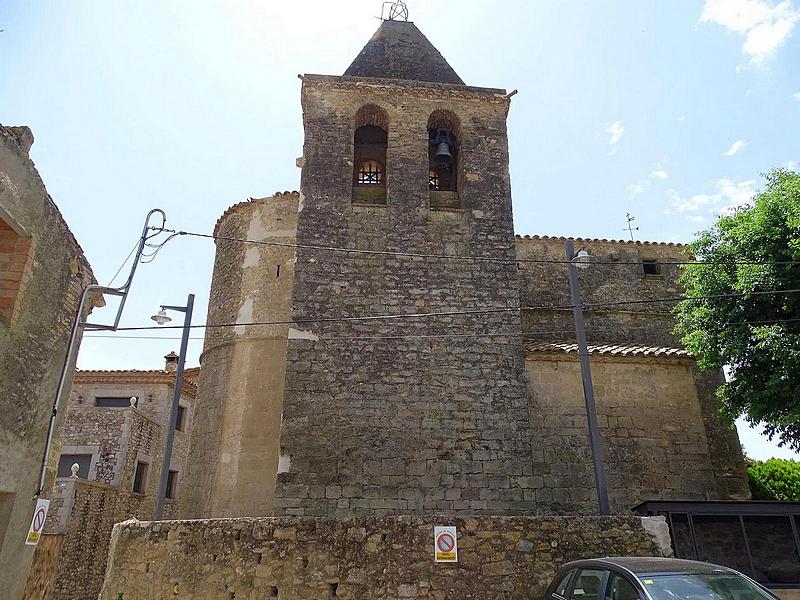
755, 336
775, 479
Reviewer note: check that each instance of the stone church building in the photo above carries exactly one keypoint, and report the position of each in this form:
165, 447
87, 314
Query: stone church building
431, 368
402, 360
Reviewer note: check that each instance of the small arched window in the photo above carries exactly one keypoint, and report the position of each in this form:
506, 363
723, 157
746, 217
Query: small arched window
370, 141
370, 173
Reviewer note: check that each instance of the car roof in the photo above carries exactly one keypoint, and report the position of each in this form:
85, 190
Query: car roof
650, 564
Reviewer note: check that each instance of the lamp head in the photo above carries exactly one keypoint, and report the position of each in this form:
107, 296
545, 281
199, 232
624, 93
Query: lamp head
161, 317
581, 259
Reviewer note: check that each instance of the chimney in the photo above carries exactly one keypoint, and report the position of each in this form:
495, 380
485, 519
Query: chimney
171, 362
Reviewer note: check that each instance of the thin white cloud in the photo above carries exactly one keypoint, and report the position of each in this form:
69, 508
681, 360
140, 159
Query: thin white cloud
615, 130
728, 195
792, 165
681, 118
635, 188
659, 174
735, 147
695, 218
764, 24
796, 96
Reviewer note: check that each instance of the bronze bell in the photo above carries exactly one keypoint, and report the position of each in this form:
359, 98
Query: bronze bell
443, 151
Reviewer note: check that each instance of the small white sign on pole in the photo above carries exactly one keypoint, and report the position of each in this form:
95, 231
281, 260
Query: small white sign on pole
37, 523
445, 544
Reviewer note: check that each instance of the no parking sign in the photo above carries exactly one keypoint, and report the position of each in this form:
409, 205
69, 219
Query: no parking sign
445, 544
37, 523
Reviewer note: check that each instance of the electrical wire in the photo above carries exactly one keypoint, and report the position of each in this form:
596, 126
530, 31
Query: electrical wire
483, 311
456, 257
125, 262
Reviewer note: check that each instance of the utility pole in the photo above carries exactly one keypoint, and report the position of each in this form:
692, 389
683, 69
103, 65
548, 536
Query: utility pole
79, 326
582, 259
161, 318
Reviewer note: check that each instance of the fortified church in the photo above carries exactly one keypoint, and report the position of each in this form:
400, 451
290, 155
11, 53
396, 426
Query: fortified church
475, 411
405, 361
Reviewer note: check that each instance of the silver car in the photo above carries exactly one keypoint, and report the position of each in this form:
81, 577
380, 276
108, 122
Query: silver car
648, 578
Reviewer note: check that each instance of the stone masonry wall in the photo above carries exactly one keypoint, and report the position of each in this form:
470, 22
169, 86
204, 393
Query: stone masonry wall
650, 420
234, 453
103, 432
378, 425
364, 558
617, 275
32, 344
84, 512
83, 556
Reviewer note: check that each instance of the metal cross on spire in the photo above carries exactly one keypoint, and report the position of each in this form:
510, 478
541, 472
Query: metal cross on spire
397, 10
630, 228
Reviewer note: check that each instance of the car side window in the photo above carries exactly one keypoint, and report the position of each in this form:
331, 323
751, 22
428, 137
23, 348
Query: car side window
561, 588
587, 584
619, 588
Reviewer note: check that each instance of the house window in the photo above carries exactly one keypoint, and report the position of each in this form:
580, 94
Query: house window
66, 461
651, 267
140, 477
15, 270
370, 173
180, 417
115, 401
172, 481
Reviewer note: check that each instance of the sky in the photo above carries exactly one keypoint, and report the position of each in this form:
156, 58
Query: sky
669, 111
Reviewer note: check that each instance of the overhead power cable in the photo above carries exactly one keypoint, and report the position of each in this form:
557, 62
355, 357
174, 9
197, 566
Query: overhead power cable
489, 259
482, 311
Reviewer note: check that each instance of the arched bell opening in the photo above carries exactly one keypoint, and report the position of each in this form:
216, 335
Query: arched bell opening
370, 142
444, 174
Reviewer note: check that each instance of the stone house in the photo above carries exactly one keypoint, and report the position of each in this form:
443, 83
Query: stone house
43, 272
114, 431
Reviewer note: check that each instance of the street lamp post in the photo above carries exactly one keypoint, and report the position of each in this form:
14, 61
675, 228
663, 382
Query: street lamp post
581, 259
161, 318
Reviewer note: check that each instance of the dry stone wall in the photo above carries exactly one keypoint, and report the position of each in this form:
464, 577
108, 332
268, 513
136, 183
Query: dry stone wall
362, 558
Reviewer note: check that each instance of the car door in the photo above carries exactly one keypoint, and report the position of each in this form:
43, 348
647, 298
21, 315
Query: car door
589, 584
560, 590
620, 587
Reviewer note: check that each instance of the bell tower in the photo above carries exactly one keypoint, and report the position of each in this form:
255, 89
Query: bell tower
407, 411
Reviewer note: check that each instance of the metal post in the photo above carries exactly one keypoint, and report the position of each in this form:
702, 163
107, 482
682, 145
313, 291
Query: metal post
79, 325
586, 374
176, 396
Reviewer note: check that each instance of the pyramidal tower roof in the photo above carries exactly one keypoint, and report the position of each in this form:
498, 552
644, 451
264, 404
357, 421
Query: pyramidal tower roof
398, 50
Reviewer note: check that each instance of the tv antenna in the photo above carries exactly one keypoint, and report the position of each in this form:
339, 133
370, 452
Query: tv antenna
397, 11
630, 228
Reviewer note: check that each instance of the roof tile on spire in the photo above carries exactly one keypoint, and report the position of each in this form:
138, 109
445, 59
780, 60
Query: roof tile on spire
398, 50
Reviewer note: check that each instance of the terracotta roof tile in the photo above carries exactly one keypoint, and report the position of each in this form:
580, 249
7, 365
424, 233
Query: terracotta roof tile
232, 209
598, 240
135, 376
612, 350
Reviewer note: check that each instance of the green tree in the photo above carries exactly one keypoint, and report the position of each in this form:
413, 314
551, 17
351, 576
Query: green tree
775, 479
755, 336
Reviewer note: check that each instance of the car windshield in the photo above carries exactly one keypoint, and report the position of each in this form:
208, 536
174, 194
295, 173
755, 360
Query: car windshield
702, 586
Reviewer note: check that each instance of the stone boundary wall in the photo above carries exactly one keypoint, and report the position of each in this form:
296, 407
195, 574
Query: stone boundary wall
81, 560
362, 558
